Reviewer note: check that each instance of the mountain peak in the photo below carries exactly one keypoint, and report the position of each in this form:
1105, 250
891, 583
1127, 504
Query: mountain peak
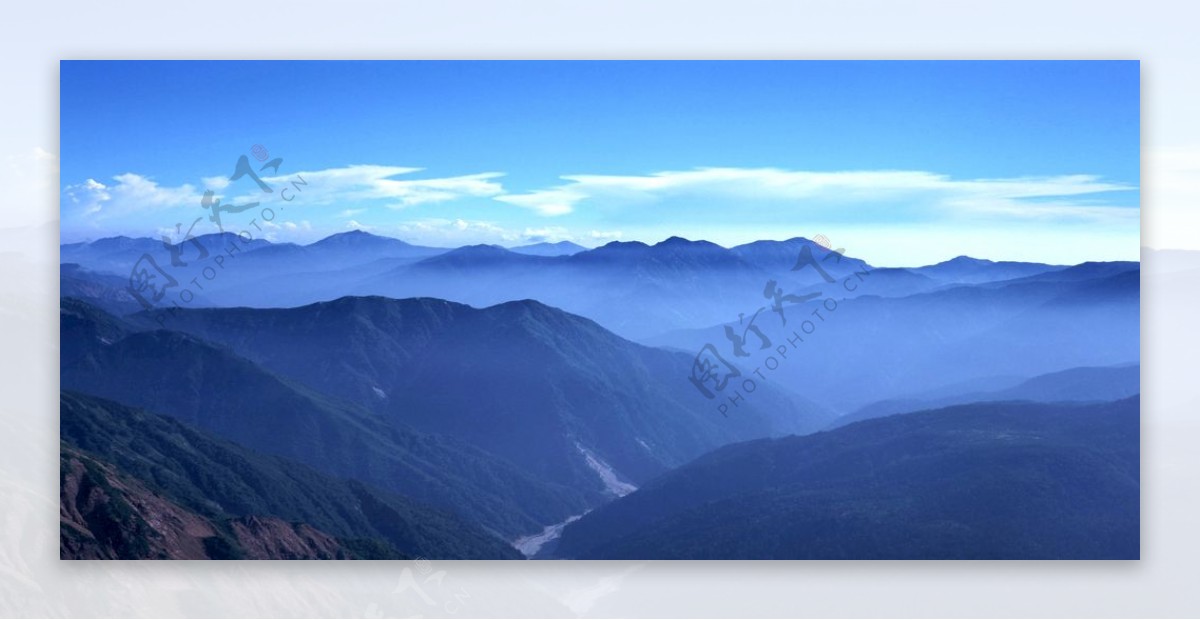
480, 249
966, 260
624, 244
548, 248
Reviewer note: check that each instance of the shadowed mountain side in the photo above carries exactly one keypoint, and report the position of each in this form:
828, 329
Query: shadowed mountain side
103, 290
224, 394
106, 515
221, 480
980, 481
531, 383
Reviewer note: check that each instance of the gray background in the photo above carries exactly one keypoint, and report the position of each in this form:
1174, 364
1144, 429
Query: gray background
34, 36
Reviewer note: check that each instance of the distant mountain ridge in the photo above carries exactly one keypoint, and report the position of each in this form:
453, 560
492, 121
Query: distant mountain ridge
560, 248
873, 348
636, 289
1075, 384
968, 270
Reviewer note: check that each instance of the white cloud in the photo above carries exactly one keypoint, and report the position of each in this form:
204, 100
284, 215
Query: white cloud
129, 194
560, 201
1018, 196
93, 205
605, 235
288, 225
547, 234
359, 183
456, 232
215, 183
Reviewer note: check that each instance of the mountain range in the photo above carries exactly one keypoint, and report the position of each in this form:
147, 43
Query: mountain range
362, 397
636, 290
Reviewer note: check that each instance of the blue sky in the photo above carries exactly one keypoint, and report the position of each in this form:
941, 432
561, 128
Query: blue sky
901, 163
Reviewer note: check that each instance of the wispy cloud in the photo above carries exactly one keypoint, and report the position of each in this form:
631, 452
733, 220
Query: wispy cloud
451, 232
125, 194
1036, 197
558, 201
547, 234
370, 183
131, 193
605, 235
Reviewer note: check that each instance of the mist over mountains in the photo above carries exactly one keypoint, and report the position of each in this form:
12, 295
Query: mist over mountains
502, 393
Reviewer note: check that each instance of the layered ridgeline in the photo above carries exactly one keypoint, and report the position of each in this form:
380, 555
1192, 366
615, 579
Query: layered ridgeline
1072, 385
137, 485
554, 393
981, 481
214, 389
873, 348
634, 289
896, 332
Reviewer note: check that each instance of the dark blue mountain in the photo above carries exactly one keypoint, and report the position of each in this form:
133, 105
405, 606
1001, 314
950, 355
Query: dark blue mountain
104, 290
555, 393
981, 481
